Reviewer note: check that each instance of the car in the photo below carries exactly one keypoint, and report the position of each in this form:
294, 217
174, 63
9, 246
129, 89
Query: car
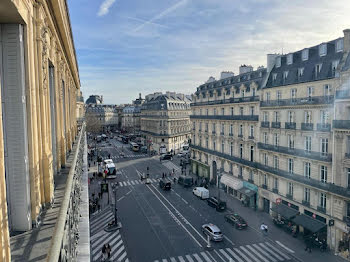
201, 192
213, 232
166, 157
181, 154
164, 184
186, 181
236, 220
214, 202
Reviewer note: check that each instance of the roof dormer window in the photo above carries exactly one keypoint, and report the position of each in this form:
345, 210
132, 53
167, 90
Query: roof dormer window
322, 49
278, 62
339, 45
285, 75
274, 77
334, 66
305, 54
289, 59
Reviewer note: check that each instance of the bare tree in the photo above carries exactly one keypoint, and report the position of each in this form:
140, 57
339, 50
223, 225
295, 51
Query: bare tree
93, 124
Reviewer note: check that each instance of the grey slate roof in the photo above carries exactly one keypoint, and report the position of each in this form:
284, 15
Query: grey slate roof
167, 102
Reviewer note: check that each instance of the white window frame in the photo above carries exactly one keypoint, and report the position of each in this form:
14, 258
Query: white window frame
323, 200
305, 54
290, 188
308, 143
289, 59
308, 117
324, 146
323, 174
278, 61
276, 164
307, 170
252, 131
290, 165
322, 49
307, 194
276, 139
339, 47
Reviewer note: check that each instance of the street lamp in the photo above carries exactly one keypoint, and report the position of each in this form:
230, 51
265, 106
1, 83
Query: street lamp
115, 225
220, 173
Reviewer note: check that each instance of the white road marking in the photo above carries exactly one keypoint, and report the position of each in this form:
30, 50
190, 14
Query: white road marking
286, 248
184, 201
197, 257
128, 192
257, 253
229, 240
181, 259
132, 182
264, 252
205, 257
120, 198
271, 252
277, 250
225, 254
129, 183
240, 253
249, 254
164, 260
172, 259
189, 258
217, 253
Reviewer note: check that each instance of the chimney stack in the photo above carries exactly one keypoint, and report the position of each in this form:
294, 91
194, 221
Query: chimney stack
346, 40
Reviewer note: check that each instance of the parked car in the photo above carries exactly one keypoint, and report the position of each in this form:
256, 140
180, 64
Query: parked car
186, 181
182, 154
166, 157
236, 220
214, 202
201, 192
213, 232
144, 149
165, 185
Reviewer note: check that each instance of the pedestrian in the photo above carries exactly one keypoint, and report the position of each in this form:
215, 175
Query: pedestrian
264, 228
108, 250
104, 252
308, 241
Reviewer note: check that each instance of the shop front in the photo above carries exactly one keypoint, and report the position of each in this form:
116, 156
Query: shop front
282, 217
248, 194
200, 169
231, 184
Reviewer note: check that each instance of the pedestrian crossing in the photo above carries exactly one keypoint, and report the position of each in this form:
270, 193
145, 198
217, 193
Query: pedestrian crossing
138, 182
170, 165
98, 237
258, 252
129, 156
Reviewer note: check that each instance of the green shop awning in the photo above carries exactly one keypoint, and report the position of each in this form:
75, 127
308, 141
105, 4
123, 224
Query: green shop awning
246, 191
285, 211
309, 223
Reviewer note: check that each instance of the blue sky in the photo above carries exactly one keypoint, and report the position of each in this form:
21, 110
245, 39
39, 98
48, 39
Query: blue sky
126, 47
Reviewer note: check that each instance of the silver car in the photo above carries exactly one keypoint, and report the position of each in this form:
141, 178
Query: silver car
213, 232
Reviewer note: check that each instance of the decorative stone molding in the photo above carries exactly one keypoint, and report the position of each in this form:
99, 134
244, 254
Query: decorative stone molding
44, 62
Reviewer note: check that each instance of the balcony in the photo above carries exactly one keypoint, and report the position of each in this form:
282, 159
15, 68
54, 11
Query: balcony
227, 117
264, 186
251, 181
222, 133
275, 190
341, 124
228, 101
323, 127
276, 124
213, 132
306, 203
314, 100
290, 125
289, 196
342, 94
307, 126
241, 136
251, 137
321, 209
265, 124
230, 134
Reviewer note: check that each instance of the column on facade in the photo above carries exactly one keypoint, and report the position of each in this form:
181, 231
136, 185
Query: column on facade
62, 116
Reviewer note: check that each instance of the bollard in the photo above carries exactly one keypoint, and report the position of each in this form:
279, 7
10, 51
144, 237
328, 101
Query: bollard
208, 240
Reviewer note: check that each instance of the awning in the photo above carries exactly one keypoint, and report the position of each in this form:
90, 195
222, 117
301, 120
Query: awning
231, 181
246, 191
285, 211
309, 223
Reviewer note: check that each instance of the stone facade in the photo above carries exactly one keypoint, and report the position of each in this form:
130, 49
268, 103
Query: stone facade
40, 82
131, 119
289, 142
165, 121
102, 117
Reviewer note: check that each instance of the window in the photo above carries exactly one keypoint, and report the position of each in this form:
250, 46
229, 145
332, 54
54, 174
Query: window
232, 112
252, 110
265, 179
200, 141
290, 188
305, 54
324, 117
266, 160
308, 143
307, 117
278, 62
206, 127
307, 195
289, 59
348, 177
323, 200
223, 111
243, 93
253, 91
240, 171
231, 129
266, 117
222, 147
276, 139
322, 49
214, 111
300, 72
290, 165
267, 96
279, 95
251, 176
339, 45
200, 111
241, 150
310, 91
274, 77
275, 162
231, 149
200, 126
222, 128
334, 66
214, 145
290, 116
251, 131
207, 143
214, 128
326, 90
307, 170
241, 111
207, 111
194, 125
318, 70
290, 141
265, 139
285, 75
241, 130
251, 153
323, 174
293, 93
275, 183
276, 116
324, 146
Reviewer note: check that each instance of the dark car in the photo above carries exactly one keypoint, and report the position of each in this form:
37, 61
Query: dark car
165, 185
236, 220
186, 181
214, 202
166, 157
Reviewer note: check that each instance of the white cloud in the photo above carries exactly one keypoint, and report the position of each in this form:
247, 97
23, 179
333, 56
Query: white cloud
104, 7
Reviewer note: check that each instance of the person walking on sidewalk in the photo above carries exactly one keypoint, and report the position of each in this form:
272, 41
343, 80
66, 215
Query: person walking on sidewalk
264, 229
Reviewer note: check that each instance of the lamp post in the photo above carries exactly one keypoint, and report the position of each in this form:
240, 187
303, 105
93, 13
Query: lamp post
115, 225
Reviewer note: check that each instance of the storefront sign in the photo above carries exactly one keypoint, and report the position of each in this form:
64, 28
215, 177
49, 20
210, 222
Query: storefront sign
250, 186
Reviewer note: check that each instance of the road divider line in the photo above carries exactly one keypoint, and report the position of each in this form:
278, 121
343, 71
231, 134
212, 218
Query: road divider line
286, 248
229, 240
184, 201
173, 215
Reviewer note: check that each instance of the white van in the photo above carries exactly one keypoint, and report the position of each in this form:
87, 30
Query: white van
201, 192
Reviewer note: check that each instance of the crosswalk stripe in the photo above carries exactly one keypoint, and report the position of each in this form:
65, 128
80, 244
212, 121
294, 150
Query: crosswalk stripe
197, 257
153, 180
122, 256
257, 253
181, 259
225, 254
137, 182
172, 259
205, 257
265, 253
164, 260
99, 243
240, 253
124, 183
119, 251
271, 252
127, 260
116, 249
128, 183
249, 254
100, 222
132, 182
189, 258
278, 251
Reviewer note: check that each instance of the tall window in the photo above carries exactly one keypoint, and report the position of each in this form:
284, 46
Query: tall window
308, 143
265, 139
317, 70
290, 116
252, 131
241, 150
252, 153
241, 111
200, 126
240, 170
276, 116
323, 174
348, 175
207, 143
222, 128
324, 146
290, 165
310, 91
231, 149
266, 117
268, 96
307, 170
252, 110
326, 90
279, 95
307, 195
214, 127
290, 141
290, 188
231, 129
275, 162
243, 93
194, 125
251, 175
265, 179
207, 111
241, 130
231, 168
293, 94
223, 111
214, 145
275, 183
232, 111
206, 127
253, 91
200, 141
307, 117
266, 160
323, 200
222, 147
276, 140
324, 116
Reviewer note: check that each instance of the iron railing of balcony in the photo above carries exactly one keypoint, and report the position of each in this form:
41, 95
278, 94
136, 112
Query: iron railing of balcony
312, 100
66, 235
275, 190
289, 196
324, 127
341, 124
265, 124
276, 124
228, 101
306, 203
307, 126
290, 125
342, 94
264, 186
321, 209
227, 117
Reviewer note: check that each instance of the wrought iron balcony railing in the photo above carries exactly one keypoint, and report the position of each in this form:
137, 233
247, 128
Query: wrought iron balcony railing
341, 124
323, 127
276, 124
265, 124
290, 125
312, 100
307, 126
